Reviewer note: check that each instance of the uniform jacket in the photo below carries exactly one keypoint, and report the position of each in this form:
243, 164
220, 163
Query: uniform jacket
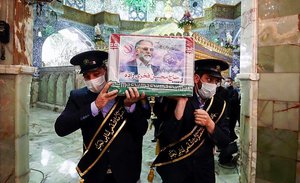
233, 99
132, 67
124, 155
198, 167
233, 110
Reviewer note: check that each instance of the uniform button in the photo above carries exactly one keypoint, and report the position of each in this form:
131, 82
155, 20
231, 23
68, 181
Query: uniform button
108, 171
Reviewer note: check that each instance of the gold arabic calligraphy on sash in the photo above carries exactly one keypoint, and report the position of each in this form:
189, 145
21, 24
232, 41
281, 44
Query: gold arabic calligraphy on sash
109, 133
103, 137
186, 146
189, 143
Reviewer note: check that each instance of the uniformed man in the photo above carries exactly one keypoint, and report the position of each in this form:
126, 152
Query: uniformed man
192, 127
112, 127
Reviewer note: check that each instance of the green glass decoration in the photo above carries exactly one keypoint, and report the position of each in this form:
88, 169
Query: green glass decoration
140, 5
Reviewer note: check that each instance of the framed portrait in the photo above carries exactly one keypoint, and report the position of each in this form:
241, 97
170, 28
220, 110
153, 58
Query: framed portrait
157, 65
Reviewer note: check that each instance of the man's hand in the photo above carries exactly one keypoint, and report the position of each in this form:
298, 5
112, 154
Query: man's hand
202, 118
105, 96
178, 99
132, 96
180, 106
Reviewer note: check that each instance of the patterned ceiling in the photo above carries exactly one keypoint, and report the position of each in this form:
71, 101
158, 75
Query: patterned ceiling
158, 8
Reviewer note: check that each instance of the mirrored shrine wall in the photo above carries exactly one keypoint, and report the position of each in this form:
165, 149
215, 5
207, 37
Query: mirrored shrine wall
63, 30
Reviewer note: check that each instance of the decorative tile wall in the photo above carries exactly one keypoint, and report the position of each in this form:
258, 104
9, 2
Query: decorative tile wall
278, 91
58, 25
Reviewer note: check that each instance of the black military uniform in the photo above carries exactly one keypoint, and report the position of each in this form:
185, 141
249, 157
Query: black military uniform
122, 160
199, 166
233, 111
226, 159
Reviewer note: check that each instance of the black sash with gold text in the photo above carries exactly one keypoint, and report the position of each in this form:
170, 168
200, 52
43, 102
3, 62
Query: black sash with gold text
103, 137
188, 144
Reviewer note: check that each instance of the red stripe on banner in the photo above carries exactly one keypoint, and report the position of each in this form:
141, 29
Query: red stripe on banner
298, 22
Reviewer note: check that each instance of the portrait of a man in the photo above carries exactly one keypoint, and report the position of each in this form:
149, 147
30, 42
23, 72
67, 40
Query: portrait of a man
141, 68
157, 65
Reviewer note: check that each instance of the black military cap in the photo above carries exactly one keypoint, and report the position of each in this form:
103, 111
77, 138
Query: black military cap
89, 60
212, 67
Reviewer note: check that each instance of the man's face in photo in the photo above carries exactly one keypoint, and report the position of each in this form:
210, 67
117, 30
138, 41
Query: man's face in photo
145, 51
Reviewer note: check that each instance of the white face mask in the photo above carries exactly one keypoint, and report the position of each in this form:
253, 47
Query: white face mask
96, 85
207, 90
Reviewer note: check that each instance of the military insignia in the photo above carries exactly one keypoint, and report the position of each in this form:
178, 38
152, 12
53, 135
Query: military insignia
88, 62
213, 115
218, 68
105, 62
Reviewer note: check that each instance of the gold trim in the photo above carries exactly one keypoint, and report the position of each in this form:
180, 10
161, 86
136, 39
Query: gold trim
84, 146
103, 123
95, 135
184, 137
117, 132
191, 132
202, 41
224, 106
200, 55
182, 157
210, 104
181, 139
187, 135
